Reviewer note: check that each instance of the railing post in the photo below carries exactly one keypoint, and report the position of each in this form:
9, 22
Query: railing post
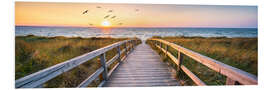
155, 42
103, 64
119, 53
160, 44
180, 58
167, 48
126, 50
132, 44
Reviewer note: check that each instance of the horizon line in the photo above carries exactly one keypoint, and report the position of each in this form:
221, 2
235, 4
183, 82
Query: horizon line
123, 27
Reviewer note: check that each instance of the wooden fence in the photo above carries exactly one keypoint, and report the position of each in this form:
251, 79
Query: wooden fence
234, 75
39, 78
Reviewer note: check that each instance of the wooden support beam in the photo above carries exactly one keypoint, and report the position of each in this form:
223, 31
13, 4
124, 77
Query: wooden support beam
119, 53
180, 62
103, 64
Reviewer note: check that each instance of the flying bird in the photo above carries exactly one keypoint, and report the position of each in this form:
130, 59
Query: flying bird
106, 16
85, 12
98, 7
136, 10
110, 11
113, 17
90, 24
120, 23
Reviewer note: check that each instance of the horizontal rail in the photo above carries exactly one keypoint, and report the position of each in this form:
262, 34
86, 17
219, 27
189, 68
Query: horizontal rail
187, 71
170, 55
231, 72
42, 76
91, 78
197, 80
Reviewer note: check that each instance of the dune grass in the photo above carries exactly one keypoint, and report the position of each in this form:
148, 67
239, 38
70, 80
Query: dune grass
34, 53
241, 53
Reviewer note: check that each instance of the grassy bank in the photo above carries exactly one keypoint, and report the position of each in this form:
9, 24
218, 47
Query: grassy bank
33, 53
241, 53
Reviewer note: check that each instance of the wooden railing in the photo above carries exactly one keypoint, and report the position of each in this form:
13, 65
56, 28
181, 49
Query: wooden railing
39, 78
234, 75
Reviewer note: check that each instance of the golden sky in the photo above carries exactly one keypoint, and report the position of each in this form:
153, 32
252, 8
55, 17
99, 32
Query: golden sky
149, 15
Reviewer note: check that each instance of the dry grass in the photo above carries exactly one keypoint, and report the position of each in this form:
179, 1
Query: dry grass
33, 53
241, 53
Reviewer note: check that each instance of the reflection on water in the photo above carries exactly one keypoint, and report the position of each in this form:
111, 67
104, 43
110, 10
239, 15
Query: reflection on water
106, 32
142, 33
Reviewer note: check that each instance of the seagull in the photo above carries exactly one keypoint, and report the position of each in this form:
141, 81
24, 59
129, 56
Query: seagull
85, 12
90, 24
110, 11
113, 17
120, 23
98, 7
136, 10
106, 16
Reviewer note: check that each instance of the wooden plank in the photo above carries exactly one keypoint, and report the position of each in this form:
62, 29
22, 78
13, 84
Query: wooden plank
42, 76
142, 81
143, 69
229, 71
91, 78
193, 76
142, 84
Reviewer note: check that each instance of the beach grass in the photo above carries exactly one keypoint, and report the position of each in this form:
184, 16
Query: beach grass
241, 53
34, 53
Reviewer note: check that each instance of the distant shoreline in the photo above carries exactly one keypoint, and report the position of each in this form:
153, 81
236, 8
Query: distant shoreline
142, 27
191, 37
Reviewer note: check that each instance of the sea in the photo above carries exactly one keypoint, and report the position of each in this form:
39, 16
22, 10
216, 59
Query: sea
142, 33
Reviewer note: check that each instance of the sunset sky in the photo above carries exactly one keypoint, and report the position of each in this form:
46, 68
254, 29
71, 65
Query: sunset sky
148, 15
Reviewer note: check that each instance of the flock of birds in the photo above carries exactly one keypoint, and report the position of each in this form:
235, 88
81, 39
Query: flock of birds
109, 16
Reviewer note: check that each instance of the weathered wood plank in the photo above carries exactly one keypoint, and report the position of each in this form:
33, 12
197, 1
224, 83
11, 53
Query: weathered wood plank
142, 67
229, 71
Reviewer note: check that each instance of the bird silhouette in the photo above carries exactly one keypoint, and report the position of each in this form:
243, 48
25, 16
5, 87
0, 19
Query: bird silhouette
98, 7
136, 10
106, 16
113, 17
85, 12
110, 11
120, 23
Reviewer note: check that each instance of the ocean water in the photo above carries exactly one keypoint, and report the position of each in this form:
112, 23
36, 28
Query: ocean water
142, 33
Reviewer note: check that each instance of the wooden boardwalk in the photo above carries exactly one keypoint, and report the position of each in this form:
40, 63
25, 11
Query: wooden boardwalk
143, 67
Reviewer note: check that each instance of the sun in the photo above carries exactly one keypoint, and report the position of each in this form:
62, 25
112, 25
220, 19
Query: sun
106, 23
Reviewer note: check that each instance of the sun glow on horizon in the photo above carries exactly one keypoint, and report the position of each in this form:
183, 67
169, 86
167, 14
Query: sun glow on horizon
105, 23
